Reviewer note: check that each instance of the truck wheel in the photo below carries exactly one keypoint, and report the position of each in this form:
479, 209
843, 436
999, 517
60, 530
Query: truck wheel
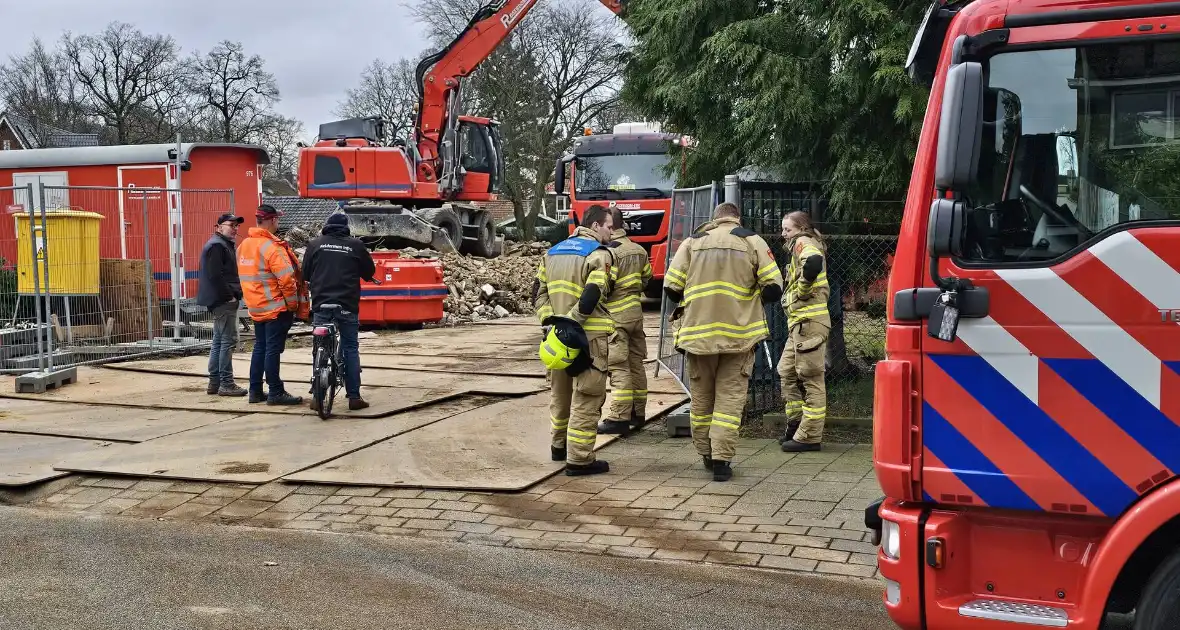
484, 245
448, 221
1159, 606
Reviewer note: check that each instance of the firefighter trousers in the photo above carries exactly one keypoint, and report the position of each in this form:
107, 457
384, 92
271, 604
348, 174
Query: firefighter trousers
628, 378
801, 370
575, 406
718, 384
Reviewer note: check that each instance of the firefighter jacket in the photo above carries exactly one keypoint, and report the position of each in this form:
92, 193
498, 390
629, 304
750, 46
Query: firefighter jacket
721, 276
270, 277
806, 298
629, 277
573, 279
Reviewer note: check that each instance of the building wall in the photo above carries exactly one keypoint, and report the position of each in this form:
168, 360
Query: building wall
7, 135
122, 230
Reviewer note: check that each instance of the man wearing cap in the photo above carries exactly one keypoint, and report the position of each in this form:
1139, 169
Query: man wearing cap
275, 295
334, 264
219, 290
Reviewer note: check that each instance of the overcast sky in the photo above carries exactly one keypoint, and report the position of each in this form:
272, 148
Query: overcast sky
315, 48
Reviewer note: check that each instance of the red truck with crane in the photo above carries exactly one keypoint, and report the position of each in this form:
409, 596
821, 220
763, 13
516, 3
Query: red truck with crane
1027, 416
627, 168
424, 191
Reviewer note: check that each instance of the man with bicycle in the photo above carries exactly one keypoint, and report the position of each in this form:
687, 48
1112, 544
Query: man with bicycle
334, 264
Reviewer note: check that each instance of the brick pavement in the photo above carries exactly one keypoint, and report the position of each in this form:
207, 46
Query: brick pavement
801, 512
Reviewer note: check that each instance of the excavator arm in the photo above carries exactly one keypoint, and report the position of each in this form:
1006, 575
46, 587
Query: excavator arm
439, 76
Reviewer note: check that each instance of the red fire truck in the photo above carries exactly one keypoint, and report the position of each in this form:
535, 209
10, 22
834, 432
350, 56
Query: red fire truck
1027, 417
627, 168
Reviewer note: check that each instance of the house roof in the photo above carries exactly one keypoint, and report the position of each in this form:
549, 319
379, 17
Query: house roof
300, 210
56, 136
117, 154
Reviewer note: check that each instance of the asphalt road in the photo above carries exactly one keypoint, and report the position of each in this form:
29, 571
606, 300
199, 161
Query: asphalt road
67, 571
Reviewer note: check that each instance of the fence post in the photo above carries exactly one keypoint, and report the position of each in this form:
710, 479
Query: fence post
732, 190
29, 206
48, 292
149, 282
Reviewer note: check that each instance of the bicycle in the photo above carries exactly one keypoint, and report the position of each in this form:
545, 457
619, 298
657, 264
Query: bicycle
327, 364
327, 374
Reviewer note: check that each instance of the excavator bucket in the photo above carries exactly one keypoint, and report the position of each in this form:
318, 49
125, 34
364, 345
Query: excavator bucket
397, 229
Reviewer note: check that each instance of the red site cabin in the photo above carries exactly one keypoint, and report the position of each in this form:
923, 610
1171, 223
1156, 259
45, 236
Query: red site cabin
1027, 417
192, 214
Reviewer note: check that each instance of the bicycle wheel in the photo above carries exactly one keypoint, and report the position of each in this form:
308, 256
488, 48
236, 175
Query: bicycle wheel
319, 373
331, 376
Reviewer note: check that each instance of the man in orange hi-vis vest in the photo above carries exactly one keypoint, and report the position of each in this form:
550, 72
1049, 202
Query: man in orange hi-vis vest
275, 293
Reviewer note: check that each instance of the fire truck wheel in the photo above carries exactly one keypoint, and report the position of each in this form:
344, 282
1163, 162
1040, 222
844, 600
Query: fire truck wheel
1159, 606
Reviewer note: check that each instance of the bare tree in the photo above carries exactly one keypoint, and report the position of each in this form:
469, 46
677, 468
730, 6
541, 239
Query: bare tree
279, 136
559, 71
121, 70
234, 88
387, 90
40, 88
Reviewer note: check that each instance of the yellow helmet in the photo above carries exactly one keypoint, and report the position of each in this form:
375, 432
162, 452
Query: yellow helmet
555, 354
565, 346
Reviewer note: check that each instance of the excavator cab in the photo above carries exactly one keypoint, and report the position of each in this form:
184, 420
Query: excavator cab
480, 169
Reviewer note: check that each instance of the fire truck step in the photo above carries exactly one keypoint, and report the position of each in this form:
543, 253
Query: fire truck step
1015, 612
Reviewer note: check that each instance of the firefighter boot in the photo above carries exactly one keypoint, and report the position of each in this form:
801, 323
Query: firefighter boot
722, 470
614, 427
708, 461
789, 432
595, 467
637, 421
557, 453
791, 446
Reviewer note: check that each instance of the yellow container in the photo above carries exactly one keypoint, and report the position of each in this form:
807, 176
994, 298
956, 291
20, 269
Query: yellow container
71, 243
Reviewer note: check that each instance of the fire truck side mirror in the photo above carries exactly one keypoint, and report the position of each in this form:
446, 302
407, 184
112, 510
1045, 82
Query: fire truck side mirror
944, 236
559, 177
960, 128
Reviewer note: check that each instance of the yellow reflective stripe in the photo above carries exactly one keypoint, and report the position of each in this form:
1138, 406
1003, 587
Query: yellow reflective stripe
815, 412
677, 275
563, 284
727, 421
794, 404
581, 437
544, 311
541, 275
722, 333
809, 251
719, 284
631, 277
647, 269
755, 325
700, 421
624, 304
599, 324
641, 393
596, 277
769, 269
558, 423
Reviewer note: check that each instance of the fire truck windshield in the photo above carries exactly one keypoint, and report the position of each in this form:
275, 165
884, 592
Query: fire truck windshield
1075, 141
634, 176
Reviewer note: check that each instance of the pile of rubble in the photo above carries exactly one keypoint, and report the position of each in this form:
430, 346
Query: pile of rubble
480, 288
487, 288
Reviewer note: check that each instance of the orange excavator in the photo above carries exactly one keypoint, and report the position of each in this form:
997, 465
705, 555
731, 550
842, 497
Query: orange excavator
424, 192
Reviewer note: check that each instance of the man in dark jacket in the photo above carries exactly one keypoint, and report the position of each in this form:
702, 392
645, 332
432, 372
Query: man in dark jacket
334, 265
219, 290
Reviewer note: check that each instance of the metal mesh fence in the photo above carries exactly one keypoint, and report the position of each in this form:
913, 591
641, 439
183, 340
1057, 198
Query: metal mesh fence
859, 255
116, 273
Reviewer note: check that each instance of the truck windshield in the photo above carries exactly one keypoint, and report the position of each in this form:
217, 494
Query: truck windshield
623, 176
1075, 141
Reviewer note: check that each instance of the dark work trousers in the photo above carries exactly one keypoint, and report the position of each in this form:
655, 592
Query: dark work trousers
270, 339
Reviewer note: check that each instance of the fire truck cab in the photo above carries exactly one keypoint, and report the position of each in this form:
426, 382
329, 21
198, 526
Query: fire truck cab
1027, 416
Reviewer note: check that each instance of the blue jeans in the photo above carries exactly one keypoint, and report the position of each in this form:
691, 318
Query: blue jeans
270, 339
225, 339
347, 327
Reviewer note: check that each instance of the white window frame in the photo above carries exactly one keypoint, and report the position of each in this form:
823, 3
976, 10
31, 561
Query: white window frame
1170, 113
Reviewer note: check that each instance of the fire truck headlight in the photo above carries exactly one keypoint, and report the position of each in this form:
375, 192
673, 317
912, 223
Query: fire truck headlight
891, 539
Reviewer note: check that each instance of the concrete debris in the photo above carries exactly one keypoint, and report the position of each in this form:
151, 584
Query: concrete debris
479, 289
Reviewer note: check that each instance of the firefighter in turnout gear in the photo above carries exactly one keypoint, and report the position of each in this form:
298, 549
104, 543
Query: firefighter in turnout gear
628, 347
721, 277
801, 367
572, 282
